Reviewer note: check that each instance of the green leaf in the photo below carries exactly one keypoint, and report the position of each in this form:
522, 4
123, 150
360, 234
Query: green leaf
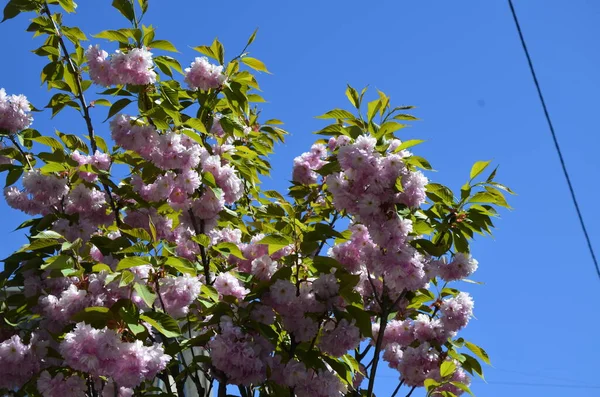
218, 50
144, 293
112, 35
101, 102
275, 242
210, 291
388, 129
127, 278
206, 50
372, 109
430, 384
48, 141
163, 45
10, 11
478, 168
229, 249
447, 368
118, 106
479, 352
339, 114
49, 234
352, 96
68, 5
252, 37
125, 7
39, 244
463, 387
363, 320
73, 142
418, 161
58, 263
441, 191
97, 317
408, 144
255, 64
489, 197
13, 176
183, 265
132, 261
163, 323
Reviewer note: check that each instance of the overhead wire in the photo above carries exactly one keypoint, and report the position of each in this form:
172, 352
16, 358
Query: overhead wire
554, 138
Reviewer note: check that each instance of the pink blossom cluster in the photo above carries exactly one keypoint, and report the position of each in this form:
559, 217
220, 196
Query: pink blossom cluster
100, 352
90, 204
179, 186
295, 306
20, 361
461, 266
167, 151
134, 67
402, 266
338, 339
239, 354
40, 195
409, 345
203, 76
178, 293
61, 386
306, 164
257, 260
306, 382
227, 284
15, 112
99, 160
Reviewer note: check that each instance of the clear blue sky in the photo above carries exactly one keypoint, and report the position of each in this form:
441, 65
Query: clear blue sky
461, 63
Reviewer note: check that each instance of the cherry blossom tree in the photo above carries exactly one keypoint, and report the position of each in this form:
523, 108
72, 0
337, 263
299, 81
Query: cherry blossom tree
155, 259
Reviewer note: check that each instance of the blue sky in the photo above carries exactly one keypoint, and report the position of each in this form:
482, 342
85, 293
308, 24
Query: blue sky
462, 65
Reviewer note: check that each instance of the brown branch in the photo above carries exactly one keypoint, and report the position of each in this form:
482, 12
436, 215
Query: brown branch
198, 231
20, 149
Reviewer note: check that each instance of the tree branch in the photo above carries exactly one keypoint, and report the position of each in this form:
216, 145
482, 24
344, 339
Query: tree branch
198, 231
84, 105
20, 149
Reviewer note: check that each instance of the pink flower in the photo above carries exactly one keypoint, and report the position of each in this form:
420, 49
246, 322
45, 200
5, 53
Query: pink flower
134, 67
202, 75
339, 340
15, 112
227, 284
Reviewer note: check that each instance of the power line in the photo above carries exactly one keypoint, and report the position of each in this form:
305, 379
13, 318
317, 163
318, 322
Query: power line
557, 146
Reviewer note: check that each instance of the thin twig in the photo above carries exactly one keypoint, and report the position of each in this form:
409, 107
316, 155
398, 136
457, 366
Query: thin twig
397, 388
198, 231
411, 391
20, 149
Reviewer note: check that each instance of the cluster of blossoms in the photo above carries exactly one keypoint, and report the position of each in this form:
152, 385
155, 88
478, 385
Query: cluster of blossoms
99, 160
59, 386
178, 293
183, 159
203, 75
240, 355
15, 112
102, 353
417, 362
306, 164
133, 67
20, 361
41, 193
306, 382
